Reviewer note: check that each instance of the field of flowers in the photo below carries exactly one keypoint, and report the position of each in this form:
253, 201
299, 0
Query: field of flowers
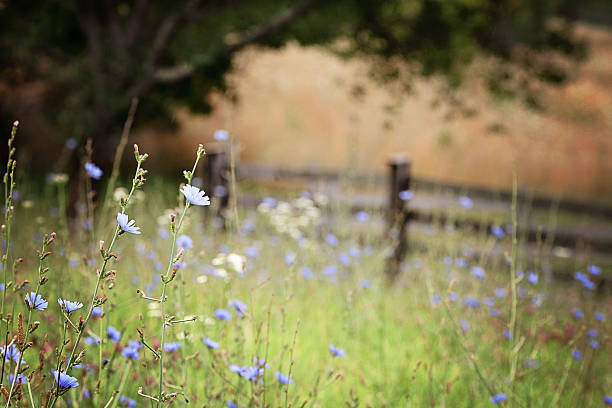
144, 299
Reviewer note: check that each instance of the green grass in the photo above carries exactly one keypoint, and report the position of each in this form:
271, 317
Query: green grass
402, 349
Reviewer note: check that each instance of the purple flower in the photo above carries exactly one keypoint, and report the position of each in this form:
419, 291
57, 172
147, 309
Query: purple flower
131, 352
94, 171
170, 347
184, 241
576, 354
607, 400
594, 270
240, 307
126, 226
331, 239
594, 343
35, 301
195, 196
478, 272
69, 306
64, 380
497, 231
466, 202
113, 334
127, 401
362, 216
497, 398
465, 326
406, 195
96, 311
230, 404
283, 379
599, 316
337, 352
532, 277
471, 302
223, 314
577, 313
210, 343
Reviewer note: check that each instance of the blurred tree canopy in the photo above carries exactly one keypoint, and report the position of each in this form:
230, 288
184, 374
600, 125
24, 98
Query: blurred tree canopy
93, 56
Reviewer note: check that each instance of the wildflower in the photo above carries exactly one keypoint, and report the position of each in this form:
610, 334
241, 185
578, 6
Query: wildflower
436, 298
12, 353
113, 334
131, 351
471, 302
497, 398
465, 326
64, 380
607, 400
240, 307
531, 363
576, 354
594, 270
126, 226
466, 202
593, 333
306, 272
20, 378
184, 241
497, 231
230, 404
35, 301
494, 312
290, 258
344, 259
86, 394
94, 171
336, 351
330, 270
211, 344
461, 263
221, 135
91, 340
453, 296
69, 306
283, 379
577, 313
594, 343
599, 316
507, 334
532, 277
127, 401
365, 283
362, 216
251, 251
195, 196
488, 301
169, 347
331, 239
354, 252
406, 195
223, 314
478, 272
96, 311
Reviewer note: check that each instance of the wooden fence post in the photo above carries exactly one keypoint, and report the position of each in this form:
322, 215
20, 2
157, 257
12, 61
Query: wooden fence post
398, 214
216, 178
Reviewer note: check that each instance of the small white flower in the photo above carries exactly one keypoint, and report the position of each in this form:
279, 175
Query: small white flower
195, 196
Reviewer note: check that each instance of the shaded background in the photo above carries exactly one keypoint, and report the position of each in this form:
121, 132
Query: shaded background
470, 96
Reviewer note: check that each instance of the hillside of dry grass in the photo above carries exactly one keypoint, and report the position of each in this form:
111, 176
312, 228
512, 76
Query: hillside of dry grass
295, 109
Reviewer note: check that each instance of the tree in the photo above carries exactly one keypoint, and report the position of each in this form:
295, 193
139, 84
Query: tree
93, 56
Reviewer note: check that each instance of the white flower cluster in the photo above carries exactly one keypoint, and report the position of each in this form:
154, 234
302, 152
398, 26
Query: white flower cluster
232, 262
296, 217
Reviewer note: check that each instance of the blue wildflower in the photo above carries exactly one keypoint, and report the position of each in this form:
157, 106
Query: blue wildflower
91, 340
406, 195
365, 283
35, 301
531, 363
471, 302
251, 251
576, 354
497, 231
290, 258
127, 401
283, 379
478, 272
169, 347
306, 272
96, 311
94, 171
465, 326
12, 353
507, 334
195, 196
223, 314
184, 241
113, 334
131, 351
354, 252
488, 302
466, 202
494, 312
599, 316
331, 239
221, 135
240, 307
594, 343
126, 226
453, 297
210, 343
448, 261
532, 277
500, 292
577, 313
20, 378
330, 270
68, 305
336, 351
594, 270
362, 216
436, 298
593, 333
344, 259
607, 400
497, 398
86, 394
64, 380
230, 404
461, 263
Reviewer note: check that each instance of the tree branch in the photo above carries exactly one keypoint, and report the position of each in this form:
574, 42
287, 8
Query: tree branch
254, 35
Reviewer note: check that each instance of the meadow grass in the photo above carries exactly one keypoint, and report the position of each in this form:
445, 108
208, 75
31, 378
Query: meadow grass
441, 335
